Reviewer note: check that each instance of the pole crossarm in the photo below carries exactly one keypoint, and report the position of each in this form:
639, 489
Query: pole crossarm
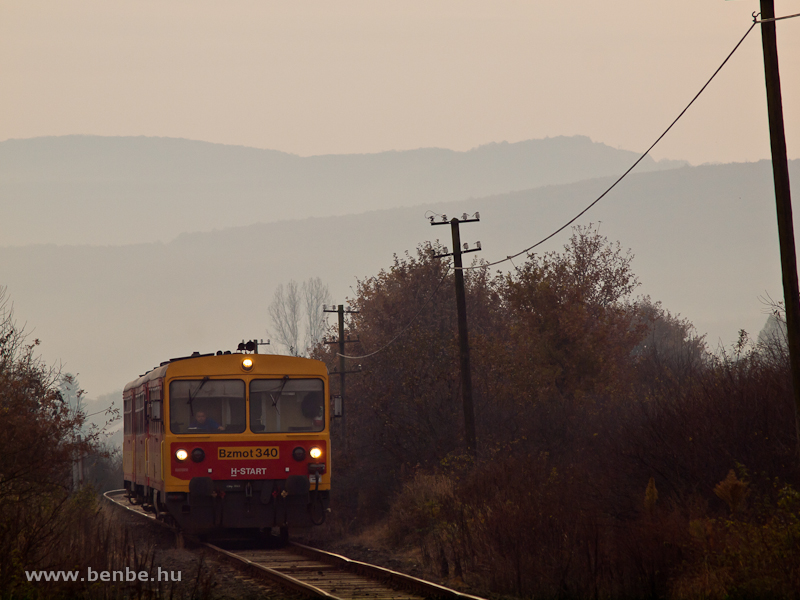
478, 249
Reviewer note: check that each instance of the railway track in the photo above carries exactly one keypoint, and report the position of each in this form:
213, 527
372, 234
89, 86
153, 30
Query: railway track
316, 573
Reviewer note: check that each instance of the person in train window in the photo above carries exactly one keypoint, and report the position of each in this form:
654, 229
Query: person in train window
201, 422
312, 409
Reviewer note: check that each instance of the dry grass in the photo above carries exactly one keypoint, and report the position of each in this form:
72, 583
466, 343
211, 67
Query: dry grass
92, 536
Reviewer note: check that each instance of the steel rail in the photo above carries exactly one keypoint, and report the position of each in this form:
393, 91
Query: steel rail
420, 586
273, 575
254, 568
133, 509
379, 575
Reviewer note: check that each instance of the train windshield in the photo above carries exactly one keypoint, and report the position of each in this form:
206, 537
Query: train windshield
286, 405
207, 406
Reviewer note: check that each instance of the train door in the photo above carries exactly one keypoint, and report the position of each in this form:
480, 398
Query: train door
155, 425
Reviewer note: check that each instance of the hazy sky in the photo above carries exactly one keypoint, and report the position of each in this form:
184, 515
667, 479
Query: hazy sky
341, 76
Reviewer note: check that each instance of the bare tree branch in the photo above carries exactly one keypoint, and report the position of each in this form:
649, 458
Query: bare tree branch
315, 294
296, 312
284, 311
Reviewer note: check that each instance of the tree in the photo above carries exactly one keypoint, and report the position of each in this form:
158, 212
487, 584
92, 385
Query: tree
572, 322
670, 351
39, 444
315, 295
284, 310
296, 313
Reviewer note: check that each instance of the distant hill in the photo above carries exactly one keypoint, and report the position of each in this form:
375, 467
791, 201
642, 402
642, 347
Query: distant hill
704, 237
123, 190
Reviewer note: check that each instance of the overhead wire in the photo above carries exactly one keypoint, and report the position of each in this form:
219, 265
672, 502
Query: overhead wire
773, 19
483, 265
433, 212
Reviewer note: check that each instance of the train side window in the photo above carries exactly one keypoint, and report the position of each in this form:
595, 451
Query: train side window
286, 405
139, 420
155, 403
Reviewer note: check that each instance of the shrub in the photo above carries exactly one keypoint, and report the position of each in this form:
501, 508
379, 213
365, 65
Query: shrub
747, 555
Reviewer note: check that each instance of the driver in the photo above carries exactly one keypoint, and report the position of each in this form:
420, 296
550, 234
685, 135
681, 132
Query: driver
203, 423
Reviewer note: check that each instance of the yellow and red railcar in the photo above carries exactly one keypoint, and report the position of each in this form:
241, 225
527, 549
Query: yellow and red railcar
230, 442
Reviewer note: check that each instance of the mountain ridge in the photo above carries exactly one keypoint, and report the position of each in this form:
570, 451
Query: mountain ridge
704, 240
116, 190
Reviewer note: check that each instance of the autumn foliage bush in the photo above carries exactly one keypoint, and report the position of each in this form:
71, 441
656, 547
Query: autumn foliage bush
604, 426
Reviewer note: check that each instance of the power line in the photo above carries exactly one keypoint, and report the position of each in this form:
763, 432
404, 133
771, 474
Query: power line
613, 185
411, 322
773, 19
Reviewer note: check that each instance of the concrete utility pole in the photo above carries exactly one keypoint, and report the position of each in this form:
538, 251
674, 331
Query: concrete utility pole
463, 333
783, 199
342, 371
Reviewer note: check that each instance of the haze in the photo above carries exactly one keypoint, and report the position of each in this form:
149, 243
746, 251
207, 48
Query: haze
324, 78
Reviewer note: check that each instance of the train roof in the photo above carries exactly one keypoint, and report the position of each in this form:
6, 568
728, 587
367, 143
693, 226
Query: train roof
230, 364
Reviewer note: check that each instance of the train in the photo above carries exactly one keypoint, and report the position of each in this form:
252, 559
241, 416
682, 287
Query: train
231, 442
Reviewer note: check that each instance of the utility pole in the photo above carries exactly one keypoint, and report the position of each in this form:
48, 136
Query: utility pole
463, 333
783, 199
341, 311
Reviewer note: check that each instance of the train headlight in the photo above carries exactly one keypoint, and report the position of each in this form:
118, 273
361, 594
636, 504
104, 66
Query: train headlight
247, 364
298, 453
181, 455
198, 455
315, 452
